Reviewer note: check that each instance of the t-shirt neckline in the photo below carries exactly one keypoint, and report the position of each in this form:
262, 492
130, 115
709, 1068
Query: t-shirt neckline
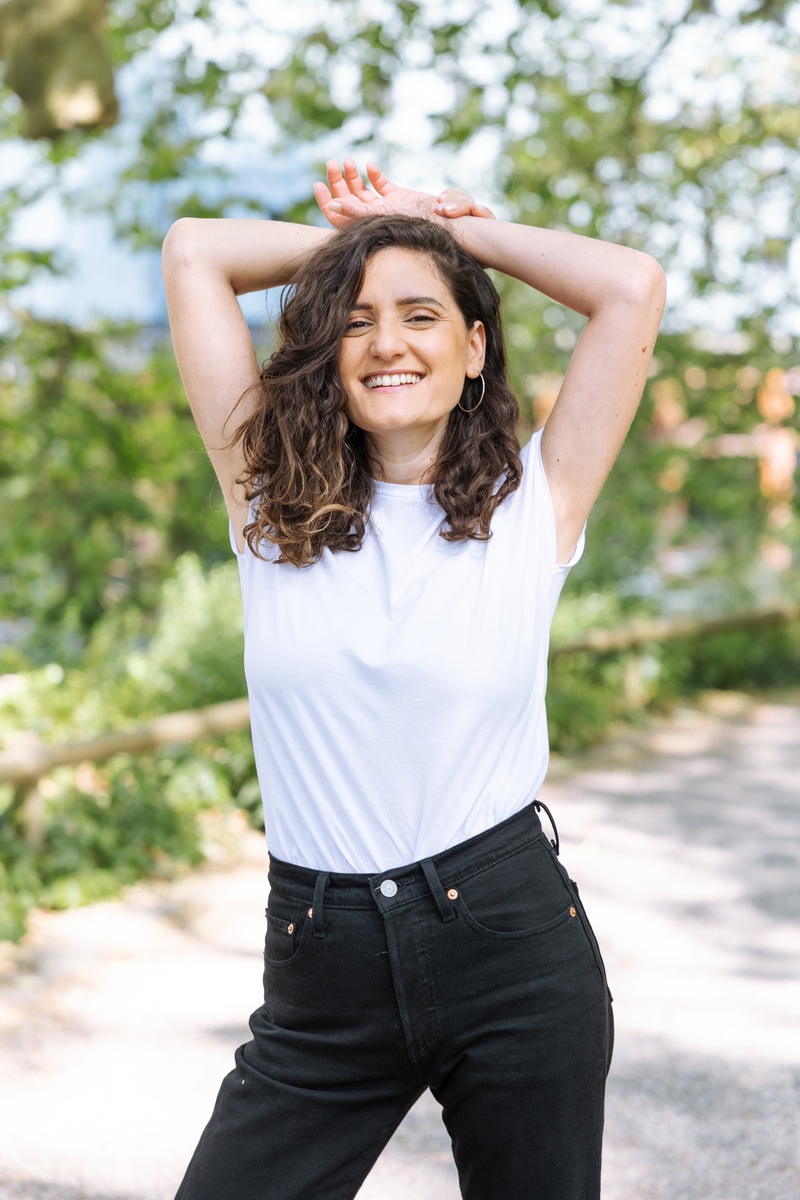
406, 491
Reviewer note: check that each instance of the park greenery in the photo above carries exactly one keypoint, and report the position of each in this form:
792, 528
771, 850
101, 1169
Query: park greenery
674, 128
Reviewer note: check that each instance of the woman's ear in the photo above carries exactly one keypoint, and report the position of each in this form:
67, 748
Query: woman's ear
477, 346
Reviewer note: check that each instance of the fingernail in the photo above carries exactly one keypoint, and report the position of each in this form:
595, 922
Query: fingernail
451, 208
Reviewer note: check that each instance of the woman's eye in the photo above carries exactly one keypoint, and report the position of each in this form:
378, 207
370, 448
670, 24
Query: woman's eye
357, 324
422, 317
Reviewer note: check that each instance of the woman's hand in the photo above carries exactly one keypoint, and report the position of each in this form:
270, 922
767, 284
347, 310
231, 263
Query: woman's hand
346, 198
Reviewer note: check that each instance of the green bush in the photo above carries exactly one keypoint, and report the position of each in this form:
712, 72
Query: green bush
132, 816
588, 693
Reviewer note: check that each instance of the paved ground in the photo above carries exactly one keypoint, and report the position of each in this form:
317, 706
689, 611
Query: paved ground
117, 1021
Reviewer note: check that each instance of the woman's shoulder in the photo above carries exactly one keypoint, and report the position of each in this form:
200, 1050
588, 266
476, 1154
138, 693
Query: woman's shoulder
532, 465
533, 446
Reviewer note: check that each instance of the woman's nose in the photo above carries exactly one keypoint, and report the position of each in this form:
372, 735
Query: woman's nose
387, 340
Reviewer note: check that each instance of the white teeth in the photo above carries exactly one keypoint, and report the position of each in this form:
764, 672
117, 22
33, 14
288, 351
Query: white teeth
391, 380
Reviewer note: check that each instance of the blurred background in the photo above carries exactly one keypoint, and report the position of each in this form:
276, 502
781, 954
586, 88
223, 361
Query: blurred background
673, 127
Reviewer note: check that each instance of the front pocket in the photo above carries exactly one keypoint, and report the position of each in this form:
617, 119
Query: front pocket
286, 922
567, 915
521, 895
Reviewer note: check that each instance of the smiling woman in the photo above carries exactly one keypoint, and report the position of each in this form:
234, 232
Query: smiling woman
403, 362
390, 296
400, 560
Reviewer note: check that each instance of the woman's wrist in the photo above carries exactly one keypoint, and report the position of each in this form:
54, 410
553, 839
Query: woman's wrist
471, 233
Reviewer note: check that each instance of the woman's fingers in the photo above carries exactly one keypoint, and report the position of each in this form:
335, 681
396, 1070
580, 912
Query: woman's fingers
453, 202
378, 179
346, 197
331, 207
321, 194
355, 183
336, 181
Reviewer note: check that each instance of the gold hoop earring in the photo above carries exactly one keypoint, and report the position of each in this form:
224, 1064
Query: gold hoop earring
480, 400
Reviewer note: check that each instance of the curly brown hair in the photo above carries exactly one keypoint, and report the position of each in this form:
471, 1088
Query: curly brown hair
307, 465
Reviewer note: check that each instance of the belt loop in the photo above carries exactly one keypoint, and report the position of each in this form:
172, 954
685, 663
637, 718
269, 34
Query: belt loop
538, 805
446, 911
317, 923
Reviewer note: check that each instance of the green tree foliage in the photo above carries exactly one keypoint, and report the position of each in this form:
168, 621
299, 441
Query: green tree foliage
104, 471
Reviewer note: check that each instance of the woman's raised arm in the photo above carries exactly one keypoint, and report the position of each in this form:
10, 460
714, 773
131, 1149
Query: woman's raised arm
206, 264
622, 293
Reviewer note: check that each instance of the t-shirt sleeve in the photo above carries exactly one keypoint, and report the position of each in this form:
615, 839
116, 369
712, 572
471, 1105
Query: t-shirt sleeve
232, 537
576, 553
533, 462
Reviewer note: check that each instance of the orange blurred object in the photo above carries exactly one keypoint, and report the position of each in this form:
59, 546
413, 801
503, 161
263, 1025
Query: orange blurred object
775, 402
777, 461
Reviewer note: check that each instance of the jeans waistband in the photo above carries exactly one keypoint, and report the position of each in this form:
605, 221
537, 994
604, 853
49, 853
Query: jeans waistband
413, 880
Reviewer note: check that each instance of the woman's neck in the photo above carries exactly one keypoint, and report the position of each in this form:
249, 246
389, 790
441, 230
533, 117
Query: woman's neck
402, 458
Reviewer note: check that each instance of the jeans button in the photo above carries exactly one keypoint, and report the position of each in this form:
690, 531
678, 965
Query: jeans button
388, 887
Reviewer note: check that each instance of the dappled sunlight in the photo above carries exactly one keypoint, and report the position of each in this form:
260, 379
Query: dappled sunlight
690, 857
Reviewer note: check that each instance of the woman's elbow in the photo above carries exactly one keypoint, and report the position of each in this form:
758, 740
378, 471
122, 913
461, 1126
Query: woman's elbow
647, 284
179, 246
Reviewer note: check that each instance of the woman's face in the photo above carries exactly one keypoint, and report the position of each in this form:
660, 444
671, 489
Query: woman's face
407, 348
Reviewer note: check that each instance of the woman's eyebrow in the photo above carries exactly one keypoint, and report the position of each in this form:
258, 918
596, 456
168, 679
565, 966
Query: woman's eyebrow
405, 302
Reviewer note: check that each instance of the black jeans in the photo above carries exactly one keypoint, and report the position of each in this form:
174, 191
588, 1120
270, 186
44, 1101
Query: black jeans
474, 973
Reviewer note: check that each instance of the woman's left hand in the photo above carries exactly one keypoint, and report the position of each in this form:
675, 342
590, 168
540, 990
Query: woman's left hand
346, 198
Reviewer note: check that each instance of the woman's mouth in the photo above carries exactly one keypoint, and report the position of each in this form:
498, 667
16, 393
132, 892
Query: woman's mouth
396, 379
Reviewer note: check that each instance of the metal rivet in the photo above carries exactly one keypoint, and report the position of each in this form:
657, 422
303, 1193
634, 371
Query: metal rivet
452, 894
388, 887
311, 912
573, 912
291, 927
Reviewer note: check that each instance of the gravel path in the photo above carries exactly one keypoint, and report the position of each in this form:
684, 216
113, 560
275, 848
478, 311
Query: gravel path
117, 1021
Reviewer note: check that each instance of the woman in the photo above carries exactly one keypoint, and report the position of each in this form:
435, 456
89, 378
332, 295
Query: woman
400, 560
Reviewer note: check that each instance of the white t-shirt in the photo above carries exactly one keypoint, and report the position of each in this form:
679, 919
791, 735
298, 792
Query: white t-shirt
397, 692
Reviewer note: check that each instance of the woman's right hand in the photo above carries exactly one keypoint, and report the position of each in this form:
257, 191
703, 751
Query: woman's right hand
346, 198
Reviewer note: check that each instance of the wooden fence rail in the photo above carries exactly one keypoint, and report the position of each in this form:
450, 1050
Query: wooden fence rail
31, 759
640, 633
